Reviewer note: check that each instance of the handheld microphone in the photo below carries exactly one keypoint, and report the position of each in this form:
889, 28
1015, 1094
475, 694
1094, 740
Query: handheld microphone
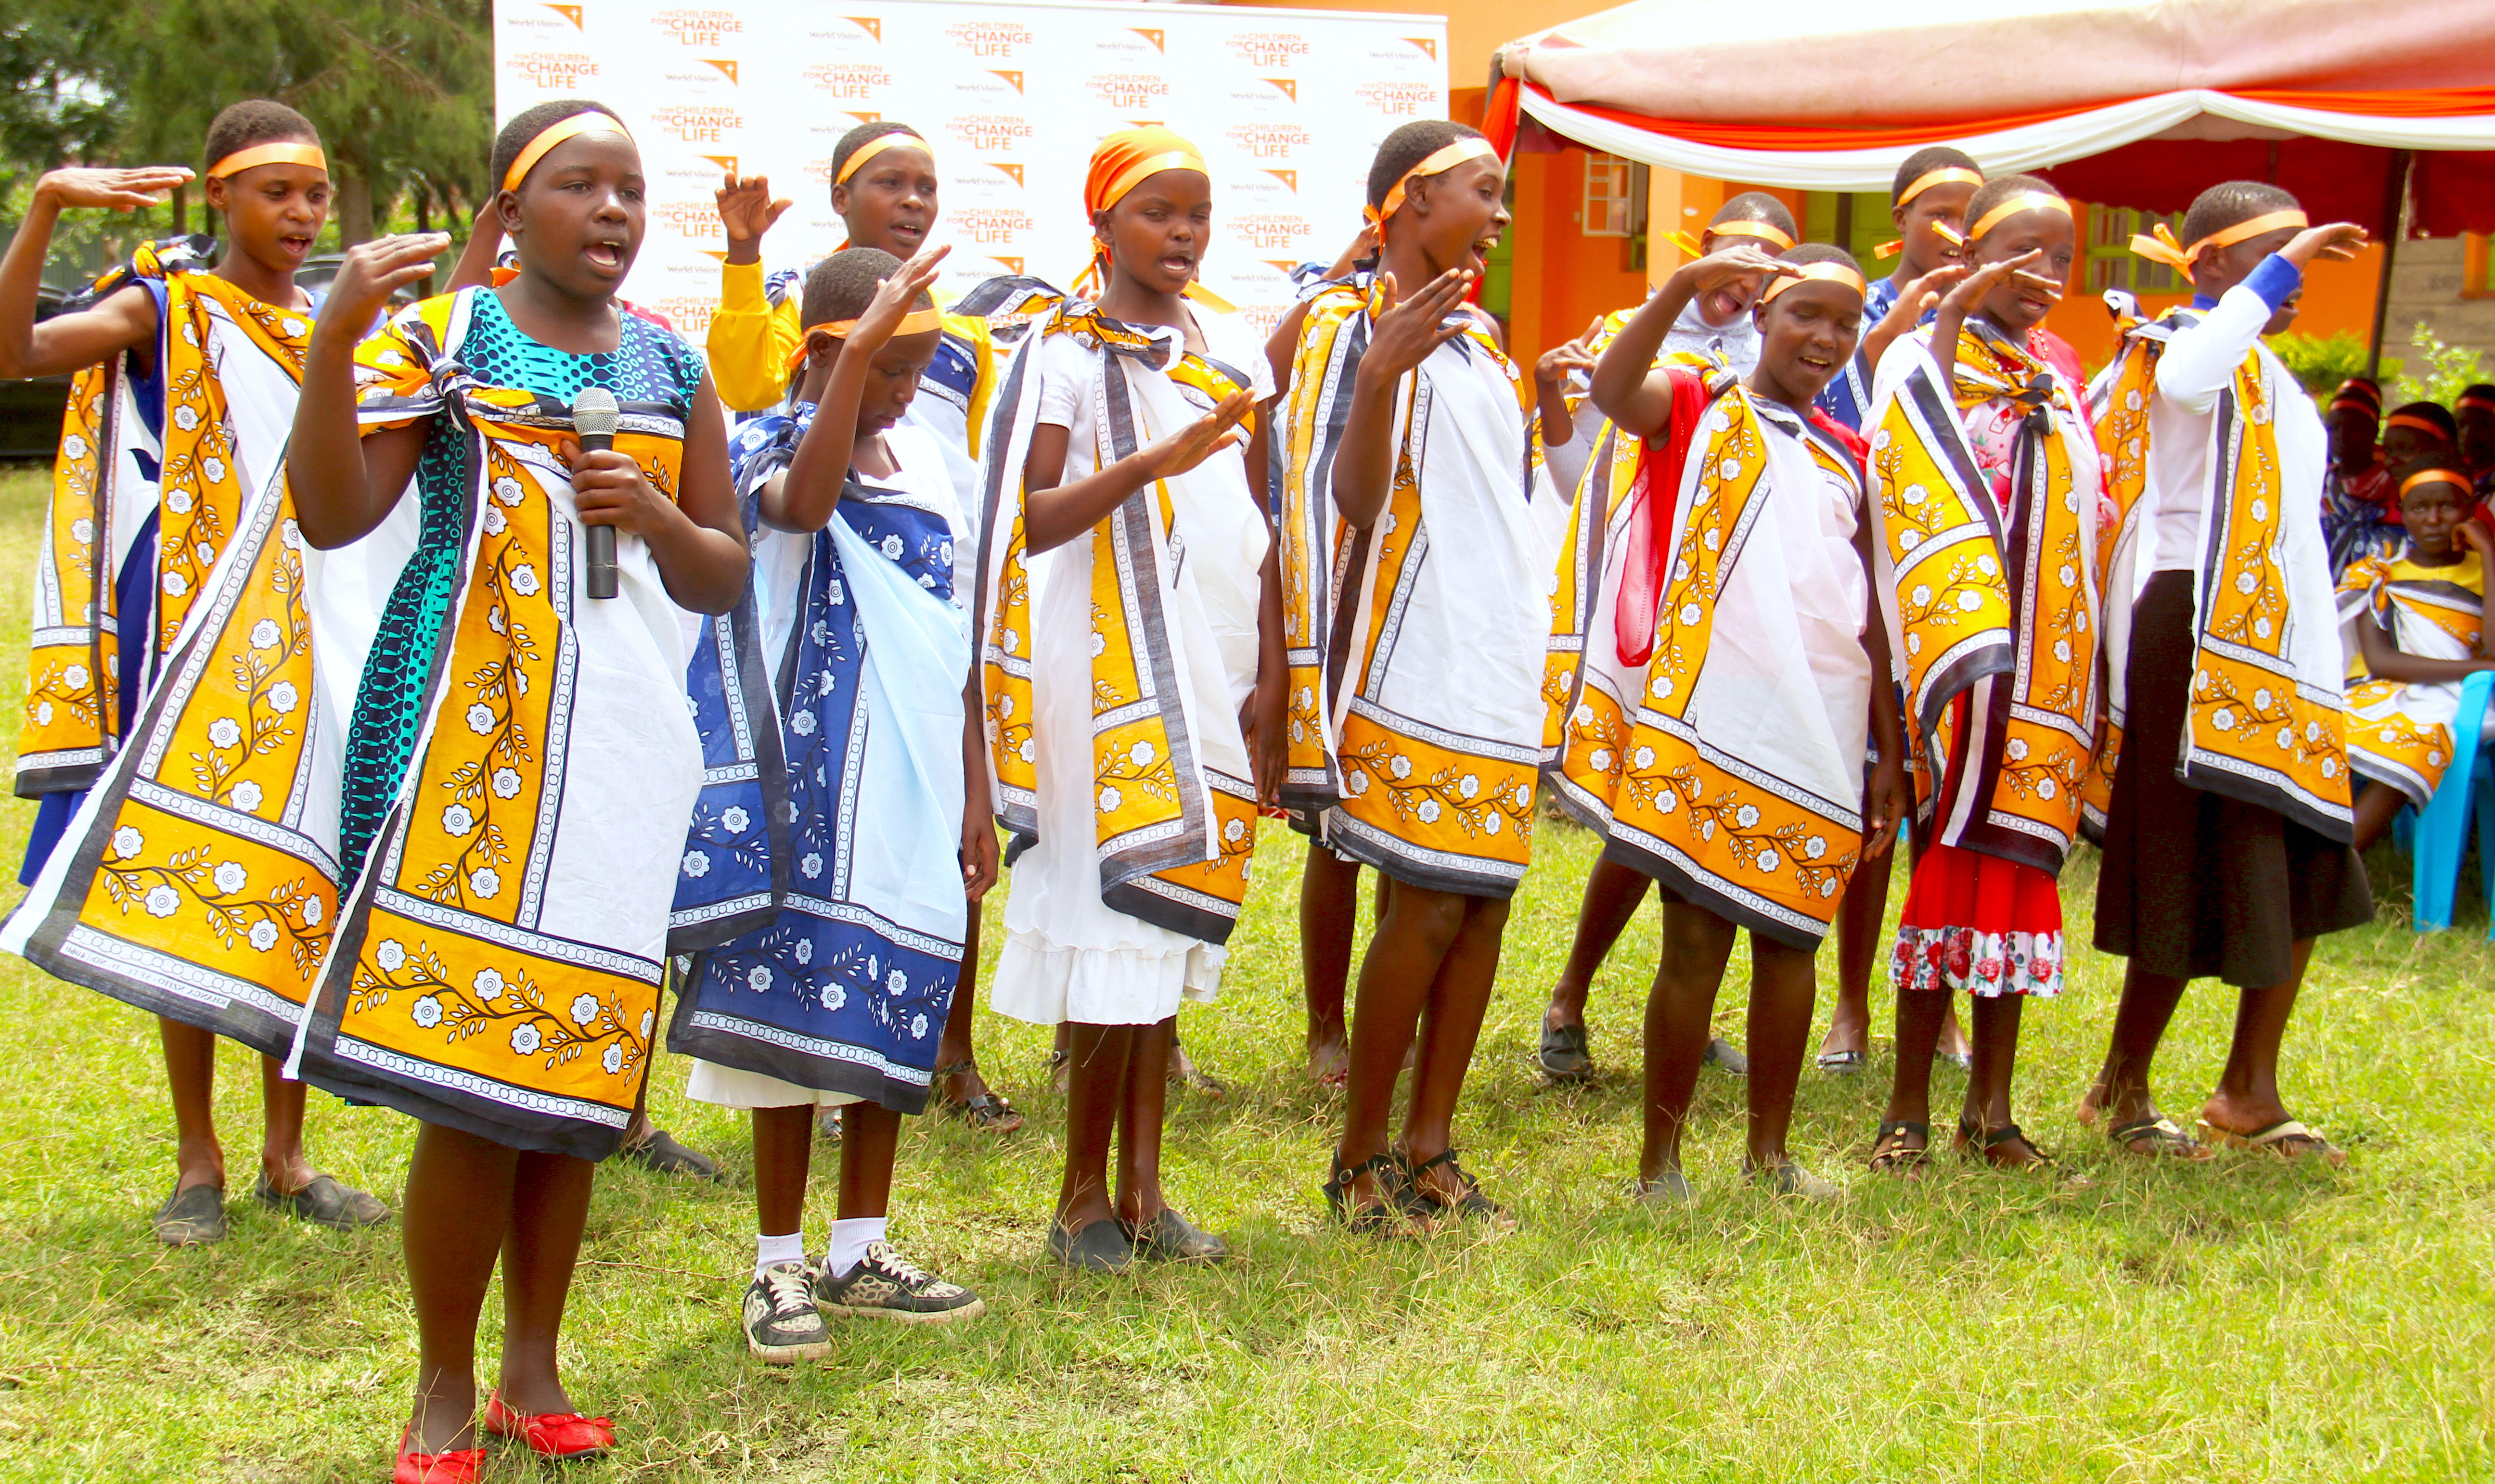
595, 418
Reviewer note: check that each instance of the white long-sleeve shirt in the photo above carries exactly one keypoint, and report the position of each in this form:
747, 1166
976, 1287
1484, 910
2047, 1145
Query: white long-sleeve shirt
2199, 363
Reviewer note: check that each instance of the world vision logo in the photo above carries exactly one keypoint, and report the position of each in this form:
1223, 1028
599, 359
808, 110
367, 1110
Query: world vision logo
1400, 100
1429, 46
872, 26
989, 131
1012, 172
1269, 230
1289, 178
1290, 87
698, 28
571, 13
694, 220
1013, 78
1014, 266
987, 37
1149, 35
1127, 90
989, 226
562, 72
556, 18
1267, 142
697, 123
847, 80
726, 68
1262, 49
726, 163
692, 180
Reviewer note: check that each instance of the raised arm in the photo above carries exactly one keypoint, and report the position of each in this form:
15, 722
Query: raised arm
344, 483
1403, 335
73, 341
1917, 299
1626, 386
2200, 360
804, 496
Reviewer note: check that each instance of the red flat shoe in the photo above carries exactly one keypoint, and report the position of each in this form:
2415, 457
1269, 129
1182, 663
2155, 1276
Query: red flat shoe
457, 1466
563, 1436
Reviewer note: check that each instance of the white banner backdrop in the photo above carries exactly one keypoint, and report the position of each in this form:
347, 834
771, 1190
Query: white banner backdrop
1288, 107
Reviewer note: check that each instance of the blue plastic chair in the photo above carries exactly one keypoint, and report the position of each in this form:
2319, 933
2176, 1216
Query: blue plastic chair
2441, 829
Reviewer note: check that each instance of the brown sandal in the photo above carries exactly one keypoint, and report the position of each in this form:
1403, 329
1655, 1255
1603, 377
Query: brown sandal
985, 1111
1891, 1155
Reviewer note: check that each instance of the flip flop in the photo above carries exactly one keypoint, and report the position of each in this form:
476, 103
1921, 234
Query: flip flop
2161, 1136
2276, 1138
984, 1111
1891, 1155
1839, 1062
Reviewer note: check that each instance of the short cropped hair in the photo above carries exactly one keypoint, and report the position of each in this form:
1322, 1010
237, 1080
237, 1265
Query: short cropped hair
527, 125
1407, 147
842, 286
2231, 204
254, 121
1923, 162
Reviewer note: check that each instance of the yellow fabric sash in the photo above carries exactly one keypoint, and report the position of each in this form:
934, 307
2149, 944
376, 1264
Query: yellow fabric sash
2401, 732
2252, 731
1174, 836
71, 723
1999, 605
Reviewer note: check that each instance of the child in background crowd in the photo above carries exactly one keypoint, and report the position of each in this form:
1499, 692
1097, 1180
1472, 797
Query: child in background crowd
187, 379
1988, 490
1731, 623
2226, 836
2360, 504
1124, 702
835, 859
1415, 592
519, 766
2414, 627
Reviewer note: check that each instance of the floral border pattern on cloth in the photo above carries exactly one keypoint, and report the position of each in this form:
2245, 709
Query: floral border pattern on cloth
1981, 964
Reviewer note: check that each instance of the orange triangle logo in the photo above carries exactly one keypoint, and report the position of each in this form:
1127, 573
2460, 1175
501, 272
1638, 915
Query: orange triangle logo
1428, 44
571, 13
1013, 171
864, 118
1154, 37
719, 252
726, 163
1282, 265
726, 68
1290, 87
872, 26
1013, 266
1289, 178
1013, 77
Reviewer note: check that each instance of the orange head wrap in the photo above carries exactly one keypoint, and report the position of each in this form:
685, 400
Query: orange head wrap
1120, 163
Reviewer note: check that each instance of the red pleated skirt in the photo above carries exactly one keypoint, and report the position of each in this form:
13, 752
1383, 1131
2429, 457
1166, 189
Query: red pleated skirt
1979, 923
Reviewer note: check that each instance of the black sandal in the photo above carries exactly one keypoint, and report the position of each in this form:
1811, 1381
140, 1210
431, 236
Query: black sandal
1471, 1206
1891, 1154
2007, 1133
1381, 1218
2156, 1136
985, 1111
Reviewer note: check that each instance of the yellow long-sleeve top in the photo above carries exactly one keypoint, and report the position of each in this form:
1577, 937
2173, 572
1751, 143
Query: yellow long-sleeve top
753, 340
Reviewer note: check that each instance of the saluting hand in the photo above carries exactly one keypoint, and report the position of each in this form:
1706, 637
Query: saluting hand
119, 190
892, 299
1406, 330
372, 273
747, 207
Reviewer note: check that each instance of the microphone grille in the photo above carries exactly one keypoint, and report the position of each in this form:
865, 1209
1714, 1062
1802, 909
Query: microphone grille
594, 412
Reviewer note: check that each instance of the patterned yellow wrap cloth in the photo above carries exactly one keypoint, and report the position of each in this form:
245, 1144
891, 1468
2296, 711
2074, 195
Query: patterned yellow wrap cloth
2400, 732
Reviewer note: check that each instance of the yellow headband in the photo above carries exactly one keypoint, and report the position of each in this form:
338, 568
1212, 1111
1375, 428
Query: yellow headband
2412, 420
1473, 147
915, 323
1830, 271
1692, 247
2024, 200
2433, 477
1945, 175
283, 152
876, 146
555, 134
2159, 244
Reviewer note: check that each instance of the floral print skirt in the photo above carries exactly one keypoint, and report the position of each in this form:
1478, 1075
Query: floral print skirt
1979, 923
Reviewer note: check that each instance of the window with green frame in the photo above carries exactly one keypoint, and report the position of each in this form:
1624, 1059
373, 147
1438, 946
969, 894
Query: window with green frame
1498, 269
2109, 259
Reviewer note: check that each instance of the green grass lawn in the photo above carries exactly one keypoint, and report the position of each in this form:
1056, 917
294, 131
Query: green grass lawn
2238, 1320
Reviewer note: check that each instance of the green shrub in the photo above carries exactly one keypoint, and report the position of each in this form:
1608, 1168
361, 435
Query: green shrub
2321, 362
2443, 372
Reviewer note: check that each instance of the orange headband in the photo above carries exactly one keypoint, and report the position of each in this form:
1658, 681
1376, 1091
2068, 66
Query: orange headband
2024, 200
555, 134
1693, 247
1830, 271
282, 152
2477, 399
2160, 246
2412, 420
1945, 175
1125, 159
1445, 159
915, 323
2356, 399
874, 147
2433, 477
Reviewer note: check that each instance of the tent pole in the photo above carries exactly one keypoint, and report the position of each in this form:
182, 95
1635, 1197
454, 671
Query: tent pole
2395, 203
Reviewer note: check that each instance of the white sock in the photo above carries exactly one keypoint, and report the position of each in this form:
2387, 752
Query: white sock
849, 1238
770, 1251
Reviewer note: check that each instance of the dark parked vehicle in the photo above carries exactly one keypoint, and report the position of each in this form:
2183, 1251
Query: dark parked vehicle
30, 410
